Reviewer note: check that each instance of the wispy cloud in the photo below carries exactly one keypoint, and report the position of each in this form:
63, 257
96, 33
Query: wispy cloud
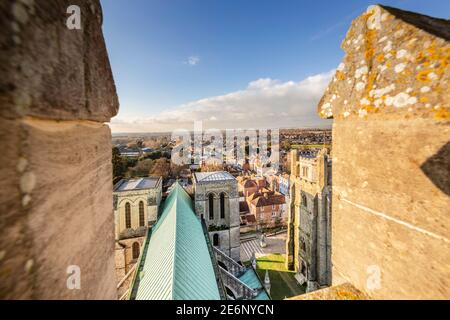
193, 60
264, 103
345, 21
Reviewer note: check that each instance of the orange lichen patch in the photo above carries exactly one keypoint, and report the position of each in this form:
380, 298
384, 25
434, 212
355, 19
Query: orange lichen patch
371, 108
435, 60
344, 291
390, 69
445, 61
432, 54
344, 295
422, 76
446, 49
369, 53
439, 71
366, 15
369, 38
443, 58
370, 82
340, 75
380, 58
438, 90
420, 57
442, 114
323, 114
406, 73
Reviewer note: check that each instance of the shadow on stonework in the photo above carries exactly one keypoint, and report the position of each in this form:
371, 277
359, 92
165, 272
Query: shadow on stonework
437, 168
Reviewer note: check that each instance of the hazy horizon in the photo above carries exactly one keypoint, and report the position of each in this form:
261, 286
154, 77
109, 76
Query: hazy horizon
117, 133
176, 62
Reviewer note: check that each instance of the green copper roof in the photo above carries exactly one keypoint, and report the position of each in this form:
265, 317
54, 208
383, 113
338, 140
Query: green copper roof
250, 278
177, 264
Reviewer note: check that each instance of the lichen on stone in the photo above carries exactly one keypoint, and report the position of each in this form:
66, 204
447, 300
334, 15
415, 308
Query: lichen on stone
408, 65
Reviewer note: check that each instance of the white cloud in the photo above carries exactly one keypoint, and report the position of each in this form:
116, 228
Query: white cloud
265, 103
193, 60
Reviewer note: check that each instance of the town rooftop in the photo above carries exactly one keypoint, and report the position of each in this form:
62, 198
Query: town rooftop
137, 184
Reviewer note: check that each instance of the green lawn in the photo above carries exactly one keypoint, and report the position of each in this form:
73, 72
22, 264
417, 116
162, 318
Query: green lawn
283, 283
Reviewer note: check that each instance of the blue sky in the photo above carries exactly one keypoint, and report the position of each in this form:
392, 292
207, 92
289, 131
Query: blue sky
166, 55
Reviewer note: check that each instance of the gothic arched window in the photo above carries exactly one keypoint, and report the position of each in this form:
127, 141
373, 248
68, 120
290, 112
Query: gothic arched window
211, 206
127, 215
136, 249
222, 206
141, 214
216, 240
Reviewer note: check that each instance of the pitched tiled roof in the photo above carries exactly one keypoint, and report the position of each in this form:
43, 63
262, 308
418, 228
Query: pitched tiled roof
177, 263
250, 218
250, 183
267, 199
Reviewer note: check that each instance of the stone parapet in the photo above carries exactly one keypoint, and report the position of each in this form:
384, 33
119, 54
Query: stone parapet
390, 104
56, 197
49, 71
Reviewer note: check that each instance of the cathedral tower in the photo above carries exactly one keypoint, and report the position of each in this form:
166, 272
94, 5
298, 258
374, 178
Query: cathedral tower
217, 202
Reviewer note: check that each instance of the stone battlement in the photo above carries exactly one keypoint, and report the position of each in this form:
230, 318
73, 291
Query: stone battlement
396, 67
390, 104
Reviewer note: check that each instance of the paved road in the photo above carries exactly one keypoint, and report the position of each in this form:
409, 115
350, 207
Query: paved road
275, 244
247, 249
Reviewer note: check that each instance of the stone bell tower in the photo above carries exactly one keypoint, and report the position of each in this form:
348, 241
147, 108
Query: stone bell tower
217, 202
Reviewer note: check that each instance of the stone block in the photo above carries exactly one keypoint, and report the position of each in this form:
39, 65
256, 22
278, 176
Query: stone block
49, 71
15, 281
60, 211
388, 260
387, 177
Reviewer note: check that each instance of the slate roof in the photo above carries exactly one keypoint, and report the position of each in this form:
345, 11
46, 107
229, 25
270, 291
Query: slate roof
177, 263
308, 153
137, 184
213, 176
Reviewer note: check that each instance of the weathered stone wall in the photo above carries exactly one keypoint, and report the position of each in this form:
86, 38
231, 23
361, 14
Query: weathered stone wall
56, 90
229, 238
309, 241
125, 264
151, 199
235, 243
120, 261
390, 104
124, 256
